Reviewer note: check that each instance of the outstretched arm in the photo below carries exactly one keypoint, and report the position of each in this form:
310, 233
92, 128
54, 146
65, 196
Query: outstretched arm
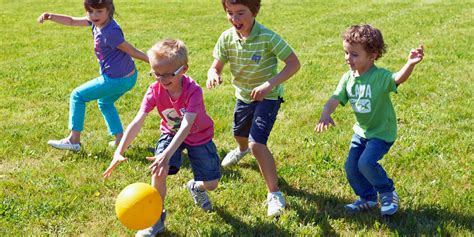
326, 119
416, 55
63, 19
130, 133
132, 51
292, 65
161, 161
214, 74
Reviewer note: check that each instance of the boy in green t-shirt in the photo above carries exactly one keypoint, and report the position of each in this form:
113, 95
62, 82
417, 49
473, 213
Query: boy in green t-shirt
253, 52
368, 88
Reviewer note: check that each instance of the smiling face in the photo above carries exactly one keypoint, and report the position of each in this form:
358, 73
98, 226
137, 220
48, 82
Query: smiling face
99, 17
168, 74
241, 18
358, 59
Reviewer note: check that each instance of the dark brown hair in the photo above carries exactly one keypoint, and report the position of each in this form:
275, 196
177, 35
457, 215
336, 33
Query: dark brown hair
368, 36
253, 5
98, 4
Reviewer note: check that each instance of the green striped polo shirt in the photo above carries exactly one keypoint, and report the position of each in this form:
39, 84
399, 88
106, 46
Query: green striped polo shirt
253, 61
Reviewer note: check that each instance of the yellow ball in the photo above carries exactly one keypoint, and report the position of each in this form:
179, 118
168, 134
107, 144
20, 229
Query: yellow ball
138, 206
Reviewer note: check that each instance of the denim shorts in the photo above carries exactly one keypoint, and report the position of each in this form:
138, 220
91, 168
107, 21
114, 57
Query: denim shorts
255, 120
203, 158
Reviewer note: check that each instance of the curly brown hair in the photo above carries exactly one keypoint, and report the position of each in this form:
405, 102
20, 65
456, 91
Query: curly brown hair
368, 36
253, 5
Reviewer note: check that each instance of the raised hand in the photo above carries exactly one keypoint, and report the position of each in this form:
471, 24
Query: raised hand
416, 55
43, 17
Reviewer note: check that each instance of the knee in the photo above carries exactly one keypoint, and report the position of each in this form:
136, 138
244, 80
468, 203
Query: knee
256, 148
104, 106
365, 166
76, 95
211, 185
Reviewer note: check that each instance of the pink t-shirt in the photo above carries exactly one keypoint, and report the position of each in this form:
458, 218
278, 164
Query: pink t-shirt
172, 112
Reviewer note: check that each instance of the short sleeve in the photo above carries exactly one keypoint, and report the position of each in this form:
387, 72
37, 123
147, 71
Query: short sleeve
114, 37
219, 52
340, 93
280, 47
388, 79
148, 102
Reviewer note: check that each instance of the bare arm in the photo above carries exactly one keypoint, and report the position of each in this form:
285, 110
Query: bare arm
292, 65
416, 55
63, 19
214, 74
326, 119
130, 133
132, 51
161, 160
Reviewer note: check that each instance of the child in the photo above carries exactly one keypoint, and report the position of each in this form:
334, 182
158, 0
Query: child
252, 51
117, 69
368, 88
184, 124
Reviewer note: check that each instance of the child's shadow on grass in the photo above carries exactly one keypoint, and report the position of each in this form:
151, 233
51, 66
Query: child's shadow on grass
427, 220
240, 228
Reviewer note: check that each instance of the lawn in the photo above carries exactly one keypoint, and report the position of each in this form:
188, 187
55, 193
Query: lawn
50, 192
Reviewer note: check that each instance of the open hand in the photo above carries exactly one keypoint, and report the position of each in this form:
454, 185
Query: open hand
159, 164
118, 158
43, 17
416, 55
324, 123
213, 79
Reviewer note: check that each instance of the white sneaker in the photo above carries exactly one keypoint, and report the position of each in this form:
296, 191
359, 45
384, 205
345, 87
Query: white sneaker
64, 145
233, 157
199, 196
276, 204
112, 144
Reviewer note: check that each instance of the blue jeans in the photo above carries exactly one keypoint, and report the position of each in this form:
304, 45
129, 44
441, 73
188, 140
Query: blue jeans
365, 175
106, 91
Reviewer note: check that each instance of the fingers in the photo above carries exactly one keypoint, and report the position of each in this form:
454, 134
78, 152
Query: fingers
214, 82
151, 158
43, 17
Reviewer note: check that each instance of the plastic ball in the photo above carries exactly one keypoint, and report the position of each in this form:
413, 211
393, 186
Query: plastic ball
138, 206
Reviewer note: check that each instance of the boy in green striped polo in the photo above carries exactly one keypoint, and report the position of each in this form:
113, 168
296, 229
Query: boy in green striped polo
253, 52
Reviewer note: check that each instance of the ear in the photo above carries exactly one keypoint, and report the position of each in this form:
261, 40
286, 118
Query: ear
185, 68
374, 56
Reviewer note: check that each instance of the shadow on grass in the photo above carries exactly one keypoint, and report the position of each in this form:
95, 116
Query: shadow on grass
240, 228
427, 220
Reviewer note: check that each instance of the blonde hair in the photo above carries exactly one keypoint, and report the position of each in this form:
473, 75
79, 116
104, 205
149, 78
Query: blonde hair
169, 49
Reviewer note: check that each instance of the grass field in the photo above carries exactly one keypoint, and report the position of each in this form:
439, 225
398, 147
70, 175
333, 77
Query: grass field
50, 192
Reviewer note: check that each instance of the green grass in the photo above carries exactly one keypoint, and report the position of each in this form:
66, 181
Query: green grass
45, 191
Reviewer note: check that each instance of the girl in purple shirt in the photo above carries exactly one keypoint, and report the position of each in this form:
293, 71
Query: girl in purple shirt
117, 71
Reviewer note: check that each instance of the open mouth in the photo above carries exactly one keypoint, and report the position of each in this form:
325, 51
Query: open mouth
239, 26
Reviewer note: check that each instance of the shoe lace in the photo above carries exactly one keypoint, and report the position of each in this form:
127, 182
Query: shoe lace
201, 196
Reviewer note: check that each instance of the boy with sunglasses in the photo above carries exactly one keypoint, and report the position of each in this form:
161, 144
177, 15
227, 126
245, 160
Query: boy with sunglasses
184, 125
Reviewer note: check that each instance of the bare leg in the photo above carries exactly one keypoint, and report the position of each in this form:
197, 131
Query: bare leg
267, 166
242, 142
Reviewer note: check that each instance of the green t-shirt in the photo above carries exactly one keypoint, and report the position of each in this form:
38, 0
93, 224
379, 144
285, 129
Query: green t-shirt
253, 61
369, 95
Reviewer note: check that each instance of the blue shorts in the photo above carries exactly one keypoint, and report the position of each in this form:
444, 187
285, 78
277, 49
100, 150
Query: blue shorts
255, 120
203, 158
